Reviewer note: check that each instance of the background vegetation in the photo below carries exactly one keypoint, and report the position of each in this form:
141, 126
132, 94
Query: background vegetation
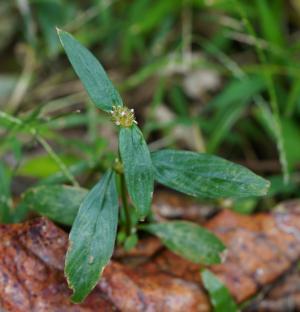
211, 76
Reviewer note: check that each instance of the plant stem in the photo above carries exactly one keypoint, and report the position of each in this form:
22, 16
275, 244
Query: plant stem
58, 161
125, 204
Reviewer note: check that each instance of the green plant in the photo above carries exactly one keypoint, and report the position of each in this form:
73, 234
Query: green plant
219, 295
96, 221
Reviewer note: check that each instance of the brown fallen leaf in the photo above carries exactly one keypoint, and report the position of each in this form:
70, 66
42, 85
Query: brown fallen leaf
169, 205
168, 262
145, 248
138, 291
260, 249
284, 296
31, 277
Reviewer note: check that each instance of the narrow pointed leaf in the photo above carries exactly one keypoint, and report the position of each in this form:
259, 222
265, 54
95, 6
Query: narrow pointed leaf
219, 294
92, 237
204, 175
57, 202
138, 168
91, 73
5, 194
188, 240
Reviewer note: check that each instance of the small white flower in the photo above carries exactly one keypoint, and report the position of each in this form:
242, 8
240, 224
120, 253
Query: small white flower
123, 116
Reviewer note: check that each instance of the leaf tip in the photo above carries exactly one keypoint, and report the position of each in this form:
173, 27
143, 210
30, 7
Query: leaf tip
58, 30
70, 285
75, 298
266, 187
224, 255
60, 34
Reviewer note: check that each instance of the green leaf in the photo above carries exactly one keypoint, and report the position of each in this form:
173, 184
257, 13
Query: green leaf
274, 127
57, 202
203, 175
279, 187
188, 240
219, 294
237, 92
8, 212
291, 134
224, 124
5, 194
270, 15
43, 165
229, 106
154, 15
130, 242
138, 168
92, 237
48, 14
91, 73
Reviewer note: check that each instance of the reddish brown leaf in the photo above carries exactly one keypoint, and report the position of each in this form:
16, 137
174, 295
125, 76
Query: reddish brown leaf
31, 277
260, 249
145, 248
138, 291
284, 296
167, 205
170, 263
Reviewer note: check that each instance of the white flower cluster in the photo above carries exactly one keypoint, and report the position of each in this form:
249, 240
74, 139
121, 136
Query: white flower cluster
122, 116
